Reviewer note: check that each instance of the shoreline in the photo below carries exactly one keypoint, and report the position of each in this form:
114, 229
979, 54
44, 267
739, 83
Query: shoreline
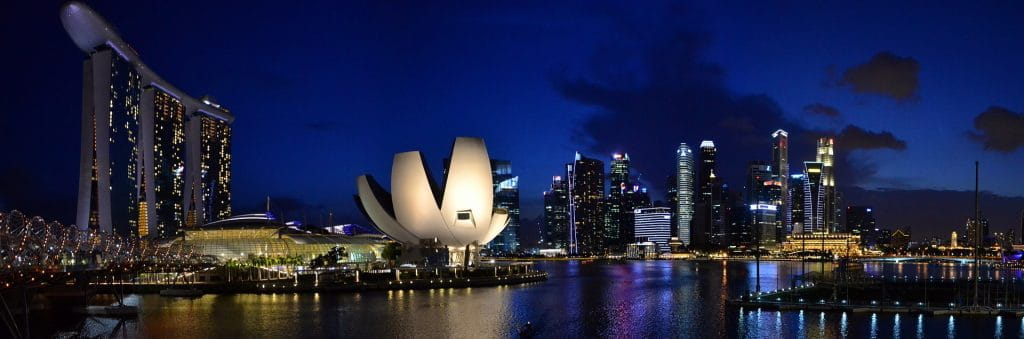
289, 285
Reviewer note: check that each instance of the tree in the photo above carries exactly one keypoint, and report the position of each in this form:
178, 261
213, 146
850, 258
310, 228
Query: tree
391, 252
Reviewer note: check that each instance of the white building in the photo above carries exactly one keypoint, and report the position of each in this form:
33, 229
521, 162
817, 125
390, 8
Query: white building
684, 192
654, 224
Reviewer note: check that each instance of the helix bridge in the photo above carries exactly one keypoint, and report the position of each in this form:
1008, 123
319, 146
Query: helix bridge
35, 253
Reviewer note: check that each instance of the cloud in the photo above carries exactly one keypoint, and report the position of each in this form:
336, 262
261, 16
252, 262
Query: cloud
676, 96
856, 138
823, 110
999, 129
885, 74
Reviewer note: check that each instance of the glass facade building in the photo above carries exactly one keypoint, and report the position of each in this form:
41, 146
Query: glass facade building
586, 211
556, 214
684, 193
506, 195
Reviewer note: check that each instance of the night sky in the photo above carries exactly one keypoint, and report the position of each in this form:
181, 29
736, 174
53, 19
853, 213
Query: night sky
324, 92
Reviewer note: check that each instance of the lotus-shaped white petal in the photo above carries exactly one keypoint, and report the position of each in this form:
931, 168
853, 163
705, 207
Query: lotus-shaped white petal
459, 215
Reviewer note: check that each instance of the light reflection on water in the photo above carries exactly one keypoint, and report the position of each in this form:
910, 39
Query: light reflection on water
627, 299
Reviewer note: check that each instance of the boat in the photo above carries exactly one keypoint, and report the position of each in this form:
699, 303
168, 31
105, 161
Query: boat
181, 292
527, 330
113, 311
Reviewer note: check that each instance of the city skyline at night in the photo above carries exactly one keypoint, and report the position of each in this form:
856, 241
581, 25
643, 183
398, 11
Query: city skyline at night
532, 169
886, 132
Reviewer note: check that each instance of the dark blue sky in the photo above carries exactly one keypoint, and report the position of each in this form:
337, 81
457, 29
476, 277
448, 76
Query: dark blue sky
326, 91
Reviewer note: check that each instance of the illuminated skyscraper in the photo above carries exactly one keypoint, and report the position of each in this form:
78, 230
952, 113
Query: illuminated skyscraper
814, 197
506, 195
586, 212
796, 207
618, 226
780, 173
826, 156
142, 151
684, 193
709, 200
556, 214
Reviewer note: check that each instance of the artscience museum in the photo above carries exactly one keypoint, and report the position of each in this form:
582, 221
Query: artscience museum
437, 224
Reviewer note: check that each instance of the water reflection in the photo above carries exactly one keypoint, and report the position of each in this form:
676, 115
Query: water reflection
633, 299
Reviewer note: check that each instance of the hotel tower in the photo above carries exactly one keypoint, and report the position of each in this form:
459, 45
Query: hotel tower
154, 159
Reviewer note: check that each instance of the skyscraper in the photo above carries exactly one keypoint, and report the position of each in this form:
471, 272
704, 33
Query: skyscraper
780, 173
709, 200
684, 193
618, 226
506, 195
586, 212
762, 198
814, 197
654, 224
860, 219
796, 207
826, 156
556, 214
153, 159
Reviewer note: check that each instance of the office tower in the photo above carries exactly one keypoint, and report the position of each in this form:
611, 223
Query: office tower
826, 156
672, 200
860, 219
707, 170
814, 197
709, 199
654, 224
684, 193
617, 220
506, 195
153, 159
796, 207
556, 214
758, 172
763, 196
586, 212
764, 223
734, 214
970, 234
780, 173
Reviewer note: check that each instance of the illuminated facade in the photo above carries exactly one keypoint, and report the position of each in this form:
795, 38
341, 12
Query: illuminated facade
796, 206
713, 228
654, 225
255, 235
618, 224
780, 173
506, 196
215, 153
839, 244
586, 210
826, 156
556, 214
140, 155
814, 198
459, 215
684, 193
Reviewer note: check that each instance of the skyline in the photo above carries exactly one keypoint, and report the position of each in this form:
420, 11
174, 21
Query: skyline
312, 157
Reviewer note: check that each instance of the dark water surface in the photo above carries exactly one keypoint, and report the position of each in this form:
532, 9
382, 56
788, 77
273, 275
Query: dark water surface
624, 299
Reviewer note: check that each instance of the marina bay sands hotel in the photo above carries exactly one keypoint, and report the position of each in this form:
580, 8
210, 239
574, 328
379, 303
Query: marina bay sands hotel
154, 159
